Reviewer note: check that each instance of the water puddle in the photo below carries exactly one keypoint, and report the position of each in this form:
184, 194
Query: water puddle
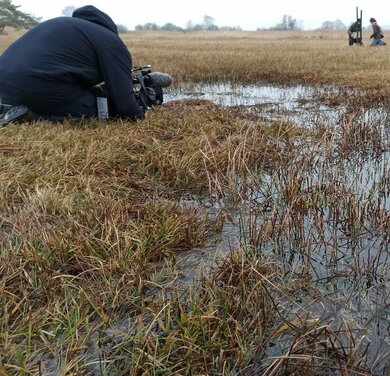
225, 94
362, 176
298, 104
338, 235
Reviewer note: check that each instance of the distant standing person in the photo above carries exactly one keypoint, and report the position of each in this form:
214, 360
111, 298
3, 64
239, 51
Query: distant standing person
354, 33
377, 34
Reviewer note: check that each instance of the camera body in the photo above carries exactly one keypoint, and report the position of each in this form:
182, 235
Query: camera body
148, 86
148, 97
148, 89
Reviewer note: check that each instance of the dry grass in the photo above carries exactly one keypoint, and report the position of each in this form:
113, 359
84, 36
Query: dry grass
313, 57
88, 210
95, 218
316, 57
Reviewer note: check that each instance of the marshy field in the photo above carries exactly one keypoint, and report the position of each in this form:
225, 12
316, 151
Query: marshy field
242, 228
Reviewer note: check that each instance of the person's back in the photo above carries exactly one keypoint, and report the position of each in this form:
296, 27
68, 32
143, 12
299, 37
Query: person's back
355, 33
53, 67
354, 27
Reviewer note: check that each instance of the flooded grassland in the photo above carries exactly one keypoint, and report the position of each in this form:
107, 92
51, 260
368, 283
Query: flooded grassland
322, 212
242, 228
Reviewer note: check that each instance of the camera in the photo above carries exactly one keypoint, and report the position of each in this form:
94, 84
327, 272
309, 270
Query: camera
148, 86
148, 89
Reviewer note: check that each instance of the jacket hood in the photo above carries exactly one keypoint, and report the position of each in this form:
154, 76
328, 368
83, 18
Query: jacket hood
92, 14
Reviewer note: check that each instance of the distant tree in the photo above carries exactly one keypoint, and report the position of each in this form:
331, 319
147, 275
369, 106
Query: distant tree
189, 25
122, 28
10, 15
208, 23
68, 10
194, 27
171, 27
197, 27
230, 28
148, 26
287, 23
333, 25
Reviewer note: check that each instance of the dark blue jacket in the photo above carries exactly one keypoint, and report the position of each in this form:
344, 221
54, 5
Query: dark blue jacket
57, 61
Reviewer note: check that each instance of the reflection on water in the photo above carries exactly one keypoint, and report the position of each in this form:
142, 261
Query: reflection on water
335, 231
298, 104
225, 94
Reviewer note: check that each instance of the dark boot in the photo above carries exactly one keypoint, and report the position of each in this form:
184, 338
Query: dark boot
17, 114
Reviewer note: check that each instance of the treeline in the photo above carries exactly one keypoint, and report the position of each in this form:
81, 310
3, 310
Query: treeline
171, 27
287, 23
207, 24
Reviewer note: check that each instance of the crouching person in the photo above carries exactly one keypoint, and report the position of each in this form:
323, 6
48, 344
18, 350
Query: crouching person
354, 33
50, 73
377, 34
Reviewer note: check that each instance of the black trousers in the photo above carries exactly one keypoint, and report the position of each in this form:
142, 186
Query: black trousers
83, 108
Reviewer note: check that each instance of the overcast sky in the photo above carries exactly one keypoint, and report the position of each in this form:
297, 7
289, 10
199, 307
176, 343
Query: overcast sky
248, 14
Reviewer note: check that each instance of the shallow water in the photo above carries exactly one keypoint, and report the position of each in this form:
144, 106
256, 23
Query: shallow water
293, 103
225, 94
343, 245
364, 175
298, 104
